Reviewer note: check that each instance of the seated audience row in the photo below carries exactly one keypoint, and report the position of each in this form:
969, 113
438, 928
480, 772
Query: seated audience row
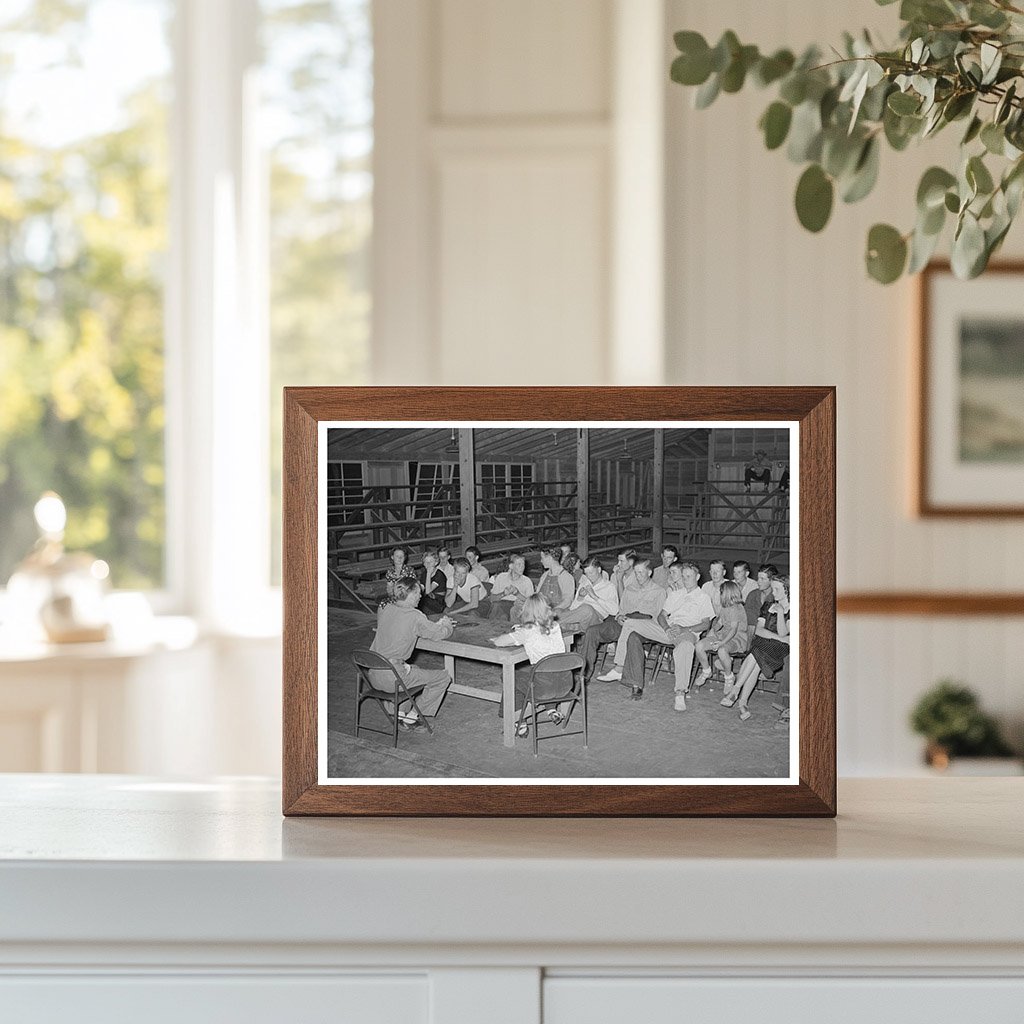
637, 602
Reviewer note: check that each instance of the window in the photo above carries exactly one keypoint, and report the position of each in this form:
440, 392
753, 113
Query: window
500, 480
521, 477
317, 131
83, 238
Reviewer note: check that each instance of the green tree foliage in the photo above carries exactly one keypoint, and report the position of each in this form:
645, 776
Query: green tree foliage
956, 61
82, 228
318, 88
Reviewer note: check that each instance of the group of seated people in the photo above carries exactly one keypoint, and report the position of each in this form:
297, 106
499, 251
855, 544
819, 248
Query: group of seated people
636, 602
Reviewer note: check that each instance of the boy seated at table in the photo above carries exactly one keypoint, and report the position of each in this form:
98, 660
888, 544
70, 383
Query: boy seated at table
399, 624
510, 587
476, 567
466, 591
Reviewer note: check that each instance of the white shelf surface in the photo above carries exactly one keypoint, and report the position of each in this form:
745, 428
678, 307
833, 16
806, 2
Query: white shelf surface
106, 859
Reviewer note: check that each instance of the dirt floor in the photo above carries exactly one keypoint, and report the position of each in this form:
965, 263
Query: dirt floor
628, 739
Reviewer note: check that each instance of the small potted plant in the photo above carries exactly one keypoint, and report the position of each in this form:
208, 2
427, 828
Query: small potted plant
950, 717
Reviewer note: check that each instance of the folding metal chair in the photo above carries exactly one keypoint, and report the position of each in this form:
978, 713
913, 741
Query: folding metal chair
364, 661
576, 694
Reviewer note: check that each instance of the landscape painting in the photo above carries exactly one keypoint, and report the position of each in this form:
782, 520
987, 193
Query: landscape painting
992, 390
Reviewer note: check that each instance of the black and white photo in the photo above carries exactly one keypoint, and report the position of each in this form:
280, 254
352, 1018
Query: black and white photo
551, 602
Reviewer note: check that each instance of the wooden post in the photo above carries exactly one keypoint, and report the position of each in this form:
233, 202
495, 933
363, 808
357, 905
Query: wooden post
658, 506
583, 492
467, 488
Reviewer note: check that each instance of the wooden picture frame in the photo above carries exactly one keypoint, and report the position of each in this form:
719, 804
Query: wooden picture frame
955, 476
809, 412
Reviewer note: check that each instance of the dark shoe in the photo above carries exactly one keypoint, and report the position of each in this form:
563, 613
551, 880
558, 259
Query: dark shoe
412, 726
636, 693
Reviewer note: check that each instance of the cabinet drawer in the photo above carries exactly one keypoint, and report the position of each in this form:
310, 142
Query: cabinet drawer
223, 999
669, 1000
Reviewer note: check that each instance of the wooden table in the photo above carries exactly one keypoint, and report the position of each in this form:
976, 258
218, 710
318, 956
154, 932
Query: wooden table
472, 640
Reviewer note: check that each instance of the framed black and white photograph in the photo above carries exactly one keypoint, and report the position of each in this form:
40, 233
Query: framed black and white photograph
522, 611
970, 452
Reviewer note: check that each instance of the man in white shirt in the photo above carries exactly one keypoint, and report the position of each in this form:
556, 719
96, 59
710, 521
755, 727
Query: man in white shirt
466, 591
596, 598
509, 586
741, 575
686, 615
713, 587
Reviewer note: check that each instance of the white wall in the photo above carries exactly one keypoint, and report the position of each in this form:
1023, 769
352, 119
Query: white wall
550, 209
753, 298
523, 157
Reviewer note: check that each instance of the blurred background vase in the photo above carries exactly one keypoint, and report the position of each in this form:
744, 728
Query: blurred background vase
55, 595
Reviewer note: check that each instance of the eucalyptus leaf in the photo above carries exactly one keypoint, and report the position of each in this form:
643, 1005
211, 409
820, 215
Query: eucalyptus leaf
932, 221
931, 190
805, 133
735, 74
922, 248
991, 60
987, 15
978, 175
865, 173
886, 253
771, 69
900, 130
873, 106
794, 88
973, 129
952, 202
707, 93
840, 152
724, 51
1013, 191
1005, 104
814, 195
968, 247
993, 138
775, 124
904, 103
958, 105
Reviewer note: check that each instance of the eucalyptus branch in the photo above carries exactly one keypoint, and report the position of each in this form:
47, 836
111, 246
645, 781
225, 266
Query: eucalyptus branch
833, 117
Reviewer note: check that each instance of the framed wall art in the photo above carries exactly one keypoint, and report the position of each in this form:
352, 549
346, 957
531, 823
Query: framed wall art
970, 444
559, 601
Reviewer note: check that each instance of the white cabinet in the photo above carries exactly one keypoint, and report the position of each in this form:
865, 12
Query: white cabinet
825, 1000
131, 898
202, 999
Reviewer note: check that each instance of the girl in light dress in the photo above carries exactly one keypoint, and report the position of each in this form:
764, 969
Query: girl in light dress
727, 636
540, 635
